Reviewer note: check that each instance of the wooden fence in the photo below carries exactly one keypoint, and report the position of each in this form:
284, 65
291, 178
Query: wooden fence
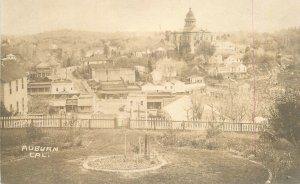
195, 125
150, 124
55, 122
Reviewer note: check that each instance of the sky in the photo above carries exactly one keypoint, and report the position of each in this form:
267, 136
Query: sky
35, 16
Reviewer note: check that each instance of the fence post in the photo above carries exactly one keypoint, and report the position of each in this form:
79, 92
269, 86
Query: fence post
241, 127
115, 123
2, 122
60, 122
146, 146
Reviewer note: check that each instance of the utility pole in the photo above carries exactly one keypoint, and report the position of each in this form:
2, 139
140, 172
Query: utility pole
125, 149
146, 146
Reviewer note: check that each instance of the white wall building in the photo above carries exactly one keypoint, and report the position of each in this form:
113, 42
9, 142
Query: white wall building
13, 91
62, 87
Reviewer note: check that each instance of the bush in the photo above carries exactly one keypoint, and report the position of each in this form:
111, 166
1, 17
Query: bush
33, 133
77, 142
212, 144
134, 148
169, 138
198, 143
278, 162
213, 132
284, 118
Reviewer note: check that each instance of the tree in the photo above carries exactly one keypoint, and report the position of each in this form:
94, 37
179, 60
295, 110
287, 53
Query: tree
206, 49
285, 117
4, 111
150, 66
106, 50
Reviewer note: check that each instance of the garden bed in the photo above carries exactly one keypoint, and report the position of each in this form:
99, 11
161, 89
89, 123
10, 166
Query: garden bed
120, 163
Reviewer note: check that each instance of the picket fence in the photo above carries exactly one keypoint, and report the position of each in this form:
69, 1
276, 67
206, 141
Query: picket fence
95, 122
195, 125
55, 122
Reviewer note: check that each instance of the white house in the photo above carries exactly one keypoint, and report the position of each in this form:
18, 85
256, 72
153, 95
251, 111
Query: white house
225, 47
86, 103
136, 105
96, 60
11, 57
196, 79
232, 59
62, 87
216, 59
150, 88
13, 91
100, 74
238, 69
82, 104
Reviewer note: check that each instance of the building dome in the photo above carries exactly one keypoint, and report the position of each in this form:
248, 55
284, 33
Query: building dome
190, 14
190, 20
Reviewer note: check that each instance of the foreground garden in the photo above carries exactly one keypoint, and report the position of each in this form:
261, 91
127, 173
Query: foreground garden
191, 157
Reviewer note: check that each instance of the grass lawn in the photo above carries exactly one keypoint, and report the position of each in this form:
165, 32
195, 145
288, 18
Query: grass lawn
184, 165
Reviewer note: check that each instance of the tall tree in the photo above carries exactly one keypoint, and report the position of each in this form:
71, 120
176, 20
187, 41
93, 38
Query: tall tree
205, 48
285, 117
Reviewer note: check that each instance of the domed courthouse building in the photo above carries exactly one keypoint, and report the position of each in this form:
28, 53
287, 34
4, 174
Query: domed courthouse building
187, 40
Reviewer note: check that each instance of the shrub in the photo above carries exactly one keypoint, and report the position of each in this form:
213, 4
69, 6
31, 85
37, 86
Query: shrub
198, 143
278, 162
77, 142
169, 138
134, 148
33, 133
213, 132
212, 144
284, 118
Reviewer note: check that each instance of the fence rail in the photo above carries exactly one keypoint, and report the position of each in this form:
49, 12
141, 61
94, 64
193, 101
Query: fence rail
150, 124
55, 122
195, 125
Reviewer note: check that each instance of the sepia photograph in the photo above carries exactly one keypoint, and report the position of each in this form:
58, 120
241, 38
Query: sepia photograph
150, 92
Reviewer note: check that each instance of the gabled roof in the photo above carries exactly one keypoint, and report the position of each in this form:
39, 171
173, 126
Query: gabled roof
180, 109
43, 65
11, 72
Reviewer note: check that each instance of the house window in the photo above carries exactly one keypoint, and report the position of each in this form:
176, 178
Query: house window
22, 83
56, 89
10, 108
10, 90
131, 102
142, 102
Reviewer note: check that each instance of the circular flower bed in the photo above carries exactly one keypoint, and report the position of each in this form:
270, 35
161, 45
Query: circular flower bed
120, 163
